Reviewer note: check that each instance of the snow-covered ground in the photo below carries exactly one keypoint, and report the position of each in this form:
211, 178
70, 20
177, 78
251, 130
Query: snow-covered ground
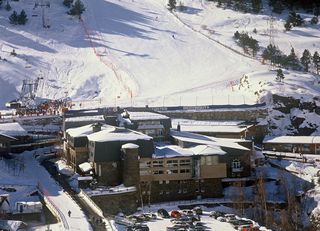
136, 52
32, 175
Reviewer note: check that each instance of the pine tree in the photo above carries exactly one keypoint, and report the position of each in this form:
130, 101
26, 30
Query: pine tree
256, 6
13, 18
77, 9
7, 7
306, 59
280, 75
288, 26
314, 20
316, 61
172, 4
273, 54
22, 18
292, 60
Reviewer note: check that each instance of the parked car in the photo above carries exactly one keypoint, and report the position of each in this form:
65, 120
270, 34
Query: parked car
175, 214
150, 215
216, 214
187, 212
138, 227
197, 210
163, 213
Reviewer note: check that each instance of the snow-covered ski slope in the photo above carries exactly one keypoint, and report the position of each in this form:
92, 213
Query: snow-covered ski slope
130, 52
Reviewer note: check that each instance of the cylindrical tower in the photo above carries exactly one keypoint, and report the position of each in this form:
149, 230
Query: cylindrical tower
130, 163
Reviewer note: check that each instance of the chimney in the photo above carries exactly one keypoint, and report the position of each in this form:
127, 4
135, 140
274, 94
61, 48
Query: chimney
178, 127
96, 127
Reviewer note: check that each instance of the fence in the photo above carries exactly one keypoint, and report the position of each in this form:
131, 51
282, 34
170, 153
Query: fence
96, 208
52, 207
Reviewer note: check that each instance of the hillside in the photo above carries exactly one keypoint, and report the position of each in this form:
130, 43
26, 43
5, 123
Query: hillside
137, 52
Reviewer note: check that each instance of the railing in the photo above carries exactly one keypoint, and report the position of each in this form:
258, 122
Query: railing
96, 208
52, 207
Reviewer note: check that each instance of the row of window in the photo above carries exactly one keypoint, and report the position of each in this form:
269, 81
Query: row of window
160, 172
168, 163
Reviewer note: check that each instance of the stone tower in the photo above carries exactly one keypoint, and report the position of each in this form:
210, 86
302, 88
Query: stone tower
130, 163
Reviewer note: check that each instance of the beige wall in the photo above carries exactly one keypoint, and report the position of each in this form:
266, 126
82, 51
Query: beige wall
213, 171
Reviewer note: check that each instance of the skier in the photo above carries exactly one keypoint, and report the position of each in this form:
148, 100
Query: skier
69, 213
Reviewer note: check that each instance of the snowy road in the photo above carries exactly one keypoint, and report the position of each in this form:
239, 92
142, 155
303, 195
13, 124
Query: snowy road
35, 174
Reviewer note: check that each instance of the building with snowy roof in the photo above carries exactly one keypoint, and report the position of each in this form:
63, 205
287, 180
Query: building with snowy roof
183, 171
12, 134
5, 144
150, 123
76, 143
220, 129
105, 151
293, 144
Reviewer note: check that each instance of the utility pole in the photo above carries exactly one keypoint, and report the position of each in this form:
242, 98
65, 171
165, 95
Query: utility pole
43, 5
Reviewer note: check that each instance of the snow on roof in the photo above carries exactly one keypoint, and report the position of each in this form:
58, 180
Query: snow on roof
146, 116
201, 139
110, 190
213, 129
130, 146
85, 118
117, 134
63, 168
87, 130
206, 122
293, 140
210, 126
85, 167
9, 137
177, 151
207, 150
12, 129
150, 126
171, 151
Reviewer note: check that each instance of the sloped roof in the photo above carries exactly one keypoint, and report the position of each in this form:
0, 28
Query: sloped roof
121, 134
207, 150
146, 116
207, 140
12, 129
87, 130
293, 140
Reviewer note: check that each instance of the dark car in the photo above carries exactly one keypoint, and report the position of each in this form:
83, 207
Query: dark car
138, 227
216, 214
163, 213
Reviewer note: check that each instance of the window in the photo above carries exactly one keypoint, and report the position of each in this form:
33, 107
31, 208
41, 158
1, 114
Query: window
167, 192
144, 172
184, 170
145, 164
167, 182
185, 162
306, 147
161, 192
179, 191
172, 163
236, 163
174, 171
157, 163
157, 172
184, 190
160, 182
